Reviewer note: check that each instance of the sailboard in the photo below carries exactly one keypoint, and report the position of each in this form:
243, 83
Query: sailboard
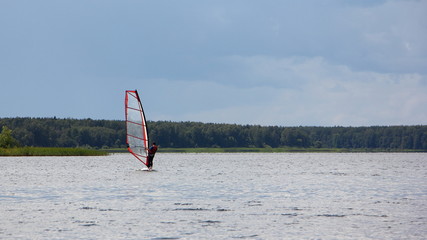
136, 127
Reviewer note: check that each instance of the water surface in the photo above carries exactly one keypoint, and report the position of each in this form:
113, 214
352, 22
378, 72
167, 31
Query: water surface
216, 196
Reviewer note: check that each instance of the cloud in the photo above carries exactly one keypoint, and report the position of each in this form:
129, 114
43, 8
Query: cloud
390, 37
323, 94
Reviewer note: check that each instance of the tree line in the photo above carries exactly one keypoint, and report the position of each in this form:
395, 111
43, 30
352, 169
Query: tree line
53, 132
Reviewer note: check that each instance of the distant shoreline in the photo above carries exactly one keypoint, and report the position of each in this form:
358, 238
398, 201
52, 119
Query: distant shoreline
267, 150
60, 151
49, 151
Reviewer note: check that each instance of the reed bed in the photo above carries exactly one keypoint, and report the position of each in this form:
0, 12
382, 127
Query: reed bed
50, 151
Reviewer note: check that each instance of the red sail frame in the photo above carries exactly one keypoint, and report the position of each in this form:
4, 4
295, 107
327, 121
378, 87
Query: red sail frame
136, 127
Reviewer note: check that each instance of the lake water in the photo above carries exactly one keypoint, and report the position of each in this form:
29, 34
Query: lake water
216, 196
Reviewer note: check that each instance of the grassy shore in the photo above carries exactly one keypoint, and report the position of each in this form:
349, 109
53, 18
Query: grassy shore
50, 151
280, 150
267, 150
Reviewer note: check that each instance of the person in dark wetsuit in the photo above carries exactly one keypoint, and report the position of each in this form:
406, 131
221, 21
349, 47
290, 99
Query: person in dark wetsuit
151, 152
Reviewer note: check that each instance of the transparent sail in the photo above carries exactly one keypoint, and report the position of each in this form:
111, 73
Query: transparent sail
136, 127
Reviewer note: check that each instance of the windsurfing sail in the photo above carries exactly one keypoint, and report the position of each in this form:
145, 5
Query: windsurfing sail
136, 127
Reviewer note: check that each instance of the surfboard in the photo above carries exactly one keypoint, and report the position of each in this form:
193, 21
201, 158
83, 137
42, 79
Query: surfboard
147, 170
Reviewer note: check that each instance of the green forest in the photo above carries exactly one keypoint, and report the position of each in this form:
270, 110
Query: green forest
53, 132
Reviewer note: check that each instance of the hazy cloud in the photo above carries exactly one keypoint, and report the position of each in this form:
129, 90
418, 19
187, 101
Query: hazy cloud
325, 94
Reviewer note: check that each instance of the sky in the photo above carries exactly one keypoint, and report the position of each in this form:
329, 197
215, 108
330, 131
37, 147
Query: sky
272, 62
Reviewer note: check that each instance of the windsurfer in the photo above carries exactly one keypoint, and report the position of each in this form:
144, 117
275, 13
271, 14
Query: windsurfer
151, 152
